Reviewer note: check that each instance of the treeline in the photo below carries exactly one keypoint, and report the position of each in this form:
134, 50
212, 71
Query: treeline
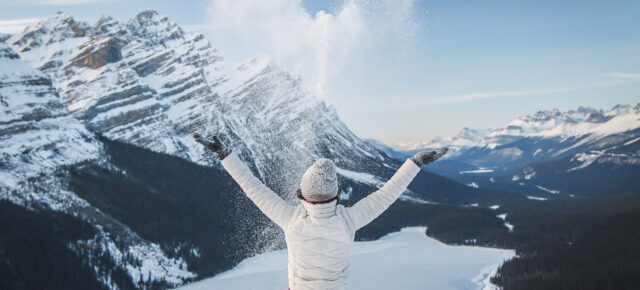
193, 212
576, 243
591, 243
449, 224
35, 251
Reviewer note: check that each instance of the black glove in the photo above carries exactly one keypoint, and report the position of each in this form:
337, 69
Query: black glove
214, 145
424, 158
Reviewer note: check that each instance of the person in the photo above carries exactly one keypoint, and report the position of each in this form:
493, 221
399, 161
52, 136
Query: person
318, 232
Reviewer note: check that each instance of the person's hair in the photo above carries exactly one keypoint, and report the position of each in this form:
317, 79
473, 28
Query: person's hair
298, 194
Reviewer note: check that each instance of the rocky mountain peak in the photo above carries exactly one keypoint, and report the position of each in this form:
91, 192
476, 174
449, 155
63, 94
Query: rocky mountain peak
107, 26
56, 28
154, 28
7, 53
145, 16
618, 110
585, 110
4, 37
472, 134
596, 117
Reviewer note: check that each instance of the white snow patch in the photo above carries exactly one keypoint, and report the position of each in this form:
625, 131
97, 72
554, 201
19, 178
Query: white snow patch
346, 194
473, 184
403, 260
537, 198
389, 166
631, 142
506, 224
530, 175
586, 159
477, 171
548, 190
405, 197
359, 176
509, 226
494, 207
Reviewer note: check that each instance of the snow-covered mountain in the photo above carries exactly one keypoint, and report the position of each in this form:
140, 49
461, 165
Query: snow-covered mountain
549, 135
38, 132
548, 143
135, 82
572, 123
150, 83
466, 138
544, 124
38, 137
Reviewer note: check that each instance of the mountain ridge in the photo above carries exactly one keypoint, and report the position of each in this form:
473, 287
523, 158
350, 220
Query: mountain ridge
535, 153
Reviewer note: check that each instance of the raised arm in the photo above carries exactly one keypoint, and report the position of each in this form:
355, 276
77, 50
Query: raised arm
270, 203
370, 207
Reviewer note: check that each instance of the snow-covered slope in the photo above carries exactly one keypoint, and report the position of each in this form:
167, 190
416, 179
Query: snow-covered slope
144, 82
467, 137
38, 134
537, 151
403, 260
551, 135
150, 83
38, 137
543, 124
572, 123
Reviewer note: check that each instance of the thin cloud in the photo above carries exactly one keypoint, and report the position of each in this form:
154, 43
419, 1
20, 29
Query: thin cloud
624, 76
522, 93
16, 25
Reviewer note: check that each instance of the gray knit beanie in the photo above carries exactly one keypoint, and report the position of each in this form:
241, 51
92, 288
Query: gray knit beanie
320, 181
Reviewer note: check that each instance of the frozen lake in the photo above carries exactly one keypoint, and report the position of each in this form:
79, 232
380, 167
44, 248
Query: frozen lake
403, 260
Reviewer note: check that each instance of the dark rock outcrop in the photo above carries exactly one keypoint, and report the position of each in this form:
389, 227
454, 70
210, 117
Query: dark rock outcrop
103, 52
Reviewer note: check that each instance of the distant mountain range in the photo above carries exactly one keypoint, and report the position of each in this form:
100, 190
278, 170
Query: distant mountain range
548, 154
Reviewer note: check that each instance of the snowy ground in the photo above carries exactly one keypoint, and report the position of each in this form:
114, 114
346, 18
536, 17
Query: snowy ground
403, 260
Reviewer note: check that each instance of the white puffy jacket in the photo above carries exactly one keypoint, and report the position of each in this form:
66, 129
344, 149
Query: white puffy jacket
319, 236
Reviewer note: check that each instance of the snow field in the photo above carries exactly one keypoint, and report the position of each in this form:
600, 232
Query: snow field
402, 260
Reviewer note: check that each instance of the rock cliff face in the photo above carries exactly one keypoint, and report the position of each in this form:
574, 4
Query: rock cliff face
150, 83
39, 137
38, 132
96, 55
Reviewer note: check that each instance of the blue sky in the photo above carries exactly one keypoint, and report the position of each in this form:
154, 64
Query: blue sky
412, 70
